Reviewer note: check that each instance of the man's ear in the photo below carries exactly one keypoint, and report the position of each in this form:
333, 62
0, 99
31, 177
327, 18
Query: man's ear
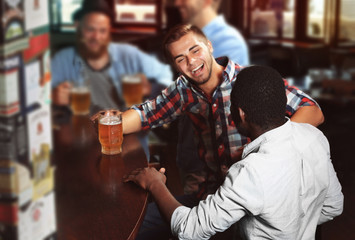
241, 114
209, 45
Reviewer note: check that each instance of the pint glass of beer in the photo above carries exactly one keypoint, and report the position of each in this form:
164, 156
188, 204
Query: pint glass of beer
132, 88
80, 98
110, 132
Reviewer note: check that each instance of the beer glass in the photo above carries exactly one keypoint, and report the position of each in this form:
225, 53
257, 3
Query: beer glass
110, 132
80, 98
132, 88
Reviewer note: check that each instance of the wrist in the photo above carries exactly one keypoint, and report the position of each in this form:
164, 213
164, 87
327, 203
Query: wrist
156, 187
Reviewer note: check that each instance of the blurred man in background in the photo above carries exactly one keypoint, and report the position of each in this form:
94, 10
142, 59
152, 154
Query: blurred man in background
102, 62
226, 40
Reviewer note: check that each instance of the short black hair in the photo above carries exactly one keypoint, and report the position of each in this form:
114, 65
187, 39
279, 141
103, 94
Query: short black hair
260, 92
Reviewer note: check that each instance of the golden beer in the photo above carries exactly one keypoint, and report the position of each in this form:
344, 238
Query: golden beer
80, 101
132, 89
110, 134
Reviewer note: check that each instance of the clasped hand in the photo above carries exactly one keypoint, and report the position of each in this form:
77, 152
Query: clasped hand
146, 178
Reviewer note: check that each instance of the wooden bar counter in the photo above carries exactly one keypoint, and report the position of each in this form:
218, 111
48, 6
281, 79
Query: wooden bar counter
92, 202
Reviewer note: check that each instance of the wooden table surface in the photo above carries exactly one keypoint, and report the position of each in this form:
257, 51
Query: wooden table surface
92, 202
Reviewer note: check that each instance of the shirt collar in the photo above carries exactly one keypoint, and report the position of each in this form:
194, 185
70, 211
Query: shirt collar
279, 132
113, 57
79, 61
229, 68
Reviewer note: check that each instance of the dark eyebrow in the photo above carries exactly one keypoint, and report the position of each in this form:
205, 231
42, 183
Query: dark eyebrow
191, 48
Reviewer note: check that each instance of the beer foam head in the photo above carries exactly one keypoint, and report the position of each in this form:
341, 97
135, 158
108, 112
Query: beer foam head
81, 89
110, 120
131, 79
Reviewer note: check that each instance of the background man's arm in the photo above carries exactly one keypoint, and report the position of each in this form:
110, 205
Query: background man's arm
61, 94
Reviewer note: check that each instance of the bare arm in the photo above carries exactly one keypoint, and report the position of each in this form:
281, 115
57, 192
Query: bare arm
131, 121
165, 200
308, 114
154, 181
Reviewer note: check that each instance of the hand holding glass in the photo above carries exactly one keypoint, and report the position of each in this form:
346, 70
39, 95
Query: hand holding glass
132, 88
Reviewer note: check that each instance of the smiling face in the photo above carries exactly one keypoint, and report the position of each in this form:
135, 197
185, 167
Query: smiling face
94, 34
192, 57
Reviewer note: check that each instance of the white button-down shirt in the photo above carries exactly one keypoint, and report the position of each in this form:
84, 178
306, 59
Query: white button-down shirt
284, 186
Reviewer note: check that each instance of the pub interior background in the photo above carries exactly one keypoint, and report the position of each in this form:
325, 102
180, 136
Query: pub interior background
310, 42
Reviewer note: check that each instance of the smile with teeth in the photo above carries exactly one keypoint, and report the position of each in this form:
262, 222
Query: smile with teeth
197, 69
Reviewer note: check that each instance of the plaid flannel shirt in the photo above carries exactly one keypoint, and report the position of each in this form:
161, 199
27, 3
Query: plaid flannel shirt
215, 132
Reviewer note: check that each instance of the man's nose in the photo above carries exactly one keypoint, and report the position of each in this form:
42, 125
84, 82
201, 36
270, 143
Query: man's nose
191, 60
96, 35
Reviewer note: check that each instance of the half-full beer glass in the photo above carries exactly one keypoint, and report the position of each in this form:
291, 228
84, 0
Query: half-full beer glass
110, 132
80, 98
132, 88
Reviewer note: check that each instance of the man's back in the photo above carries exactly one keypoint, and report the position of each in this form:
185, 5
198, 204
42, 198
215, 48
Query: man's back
295, 174
284, 186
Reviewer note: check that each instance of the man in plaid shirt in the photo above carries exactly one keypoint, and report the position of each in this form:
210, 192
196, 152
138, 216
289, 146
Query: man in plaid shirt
203, 93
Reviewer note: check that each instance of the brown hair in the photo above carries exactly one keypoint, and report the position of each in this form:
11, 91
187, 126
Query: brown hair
178, 32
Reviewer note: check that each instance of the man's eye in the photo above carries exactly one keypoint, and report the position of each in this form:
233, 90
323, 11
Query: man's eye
196, 51
180, 60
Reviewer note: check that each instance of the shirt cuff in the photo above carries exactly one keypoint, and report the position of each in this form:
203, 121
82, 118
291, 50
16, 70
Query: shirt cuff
139, 112
178, 218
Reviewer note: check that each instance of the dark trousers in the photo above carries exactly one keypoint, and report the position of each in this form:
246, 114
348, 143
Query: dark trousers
154, 226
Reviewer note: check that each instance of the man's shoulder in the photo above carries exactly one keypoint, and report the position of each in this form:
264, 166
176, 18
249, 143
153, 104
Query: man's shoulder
220, 26
122, 47
125, 51
306, 127
64, 53
307, 134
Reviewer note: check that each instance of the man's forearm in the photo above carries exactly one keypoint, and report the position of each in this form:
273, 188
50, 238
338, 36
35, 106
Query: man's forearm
165, 200
131, 121
308, 114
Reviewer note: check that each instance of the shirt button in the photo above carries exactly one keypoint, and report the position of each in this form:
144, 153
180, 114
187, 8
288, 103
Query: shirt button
214, 105
218, 126
220, 146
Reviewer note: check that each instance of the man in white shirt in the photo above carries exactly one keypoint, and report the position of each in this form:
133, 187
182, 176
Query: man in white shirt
284, 186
